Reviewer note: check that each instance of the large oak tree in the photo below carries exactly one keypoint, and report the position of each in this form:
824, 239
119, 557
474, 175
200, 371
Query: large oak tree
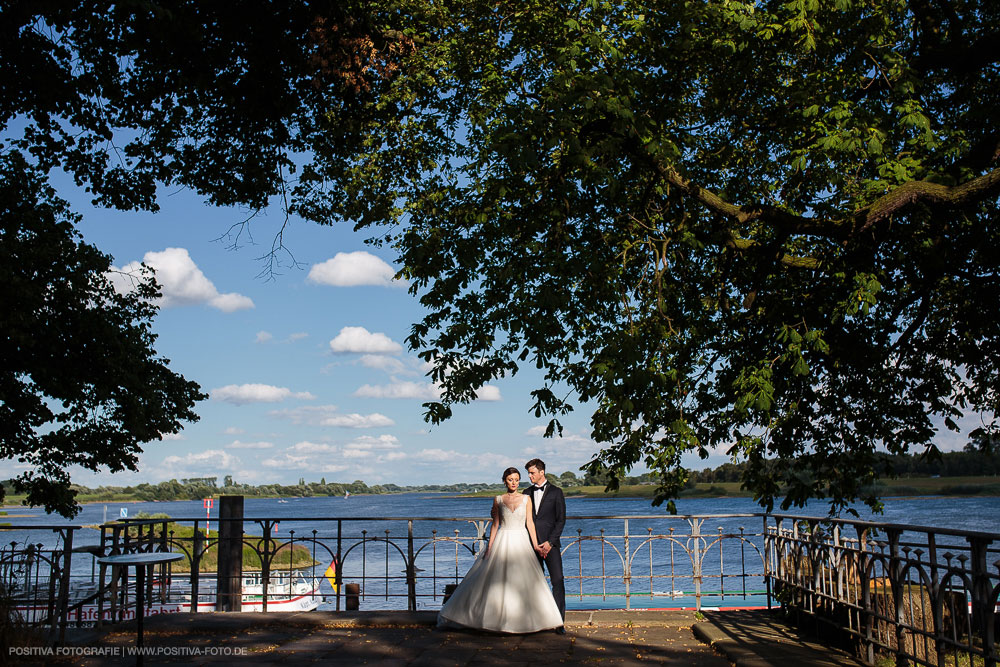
768, 227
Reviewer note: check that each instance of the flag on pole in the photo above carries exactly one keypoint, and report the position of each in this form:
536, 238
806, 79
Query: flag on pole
331, 574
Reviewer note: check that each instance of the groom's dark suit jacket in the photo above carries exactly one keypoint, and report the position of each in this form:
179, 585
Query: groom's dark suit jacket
550, 518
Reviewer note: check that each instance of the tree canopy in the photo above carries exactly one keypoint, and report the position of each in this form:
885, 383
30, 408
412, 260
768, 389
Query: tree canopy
766, 227
80, 382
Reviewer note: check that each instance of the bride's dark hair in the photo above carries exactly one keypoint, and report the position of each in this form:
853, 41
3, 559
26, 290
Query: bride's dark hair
508, 471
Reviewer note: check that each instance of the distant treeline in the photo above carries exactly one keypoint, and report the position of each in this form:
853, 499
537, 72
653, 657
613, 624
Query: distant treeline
952, 464
967, 463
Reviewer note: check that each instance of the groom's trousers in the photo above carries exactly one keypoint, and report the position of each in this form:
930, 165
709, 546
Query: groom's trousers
553, 563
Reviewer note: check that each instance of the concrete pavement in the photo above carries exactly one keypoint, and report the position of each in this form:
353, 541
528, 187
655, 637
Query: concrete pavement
394, 638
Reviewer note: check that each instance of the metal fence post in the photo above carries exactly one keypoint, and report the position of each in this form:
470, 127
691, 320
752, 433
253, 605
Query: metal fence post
340, 562
411, 573
627, 571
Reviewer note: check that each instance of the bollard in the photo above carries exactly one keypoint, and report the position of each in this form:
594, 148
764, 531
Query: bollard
448, 590
352, 599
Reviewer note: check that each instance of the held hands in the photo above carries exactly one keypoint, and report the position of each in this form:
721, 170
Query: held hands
543, 549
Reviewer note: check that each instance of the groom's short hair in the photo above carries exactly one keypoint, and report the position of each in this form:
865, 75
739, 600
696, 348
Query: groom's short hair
538, 463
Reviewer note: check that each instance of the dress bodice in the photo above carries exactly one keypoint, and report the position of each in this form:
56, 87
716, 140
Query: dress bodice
513, 519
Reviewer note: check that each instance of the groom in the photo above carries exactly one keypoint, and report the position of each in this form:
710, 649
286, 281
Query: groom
550, 517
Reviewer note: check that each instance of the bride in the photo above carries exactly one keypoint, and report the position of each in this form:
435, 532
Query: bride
505, 590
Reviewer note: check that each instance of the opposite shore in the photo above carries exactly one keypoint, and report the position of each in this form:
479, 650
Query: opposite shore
904, 486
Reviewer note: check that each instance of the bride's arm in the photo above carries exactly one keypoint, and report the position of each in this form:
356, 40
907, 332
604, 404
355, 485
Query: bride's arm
495, 514
531, 523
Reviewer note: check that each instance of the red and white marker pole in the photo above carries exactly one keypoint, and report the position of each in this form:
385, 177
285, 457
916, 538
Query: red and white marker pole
208, 502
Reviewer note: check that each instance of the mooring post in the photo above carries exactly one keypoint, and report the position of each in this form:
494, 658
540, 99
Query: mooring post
229, 579
196, 549
896, 567
64, 582
696, 559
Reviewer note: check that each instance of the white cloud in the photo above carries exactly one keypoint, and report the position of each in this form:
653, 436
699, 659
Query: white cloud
230, 303
351, 269
181, 281
297, 336
236, 444
422, 390
256, 393
400, 389
263, 337
358, 340
171, 436
435, 455
481, 461
566, 452
306, 447
292, 462
233, 430
327, 415
370, 442
355, 420
307, 456
210, 459
381, 449
355, 454
488, 393
314, 456
382, 362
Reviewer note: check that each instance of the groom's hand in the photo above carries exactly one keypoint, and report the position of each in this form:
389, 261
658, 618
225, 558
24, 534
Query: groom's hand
544, 549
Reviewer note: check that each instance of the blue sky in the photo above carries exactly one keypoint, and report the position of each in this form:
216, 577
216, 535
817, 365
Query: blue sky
307, 372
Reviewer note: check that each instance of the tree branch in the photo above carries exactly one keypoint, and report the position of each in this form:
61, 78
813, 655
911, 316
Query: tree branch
895, 201
928, 193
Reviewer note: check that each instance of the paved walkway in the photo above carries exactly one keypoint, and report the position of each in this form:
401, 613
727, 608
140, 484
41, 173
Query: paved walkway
718, 639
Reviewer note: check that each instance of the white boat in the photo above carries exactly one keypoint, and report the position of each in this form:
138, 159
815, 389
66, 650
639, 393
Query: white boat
286, 591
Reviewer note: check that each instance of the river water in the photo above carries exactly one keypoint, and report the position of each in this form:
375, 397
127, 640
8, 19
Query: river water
440, 515
981, 513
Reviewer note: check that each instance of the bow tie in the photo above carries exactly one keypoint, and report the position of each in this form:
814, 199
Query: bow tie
539, 488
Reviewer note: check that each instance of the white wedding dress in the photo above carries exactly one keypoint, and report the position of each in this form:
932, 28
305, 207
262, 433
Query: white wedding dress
507, 591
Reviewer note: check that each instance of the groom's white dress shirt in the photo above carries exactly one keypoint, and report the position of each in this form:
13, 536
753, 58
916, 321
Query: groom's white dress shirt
536, 495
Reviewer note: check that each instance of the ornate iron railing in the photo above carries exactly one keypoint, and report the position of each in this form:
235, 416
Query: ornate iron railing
925, 595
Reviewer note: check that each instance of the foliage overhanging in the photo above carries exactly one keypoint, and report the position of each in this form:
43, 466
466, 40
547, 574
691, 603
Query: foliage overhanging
768, 227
